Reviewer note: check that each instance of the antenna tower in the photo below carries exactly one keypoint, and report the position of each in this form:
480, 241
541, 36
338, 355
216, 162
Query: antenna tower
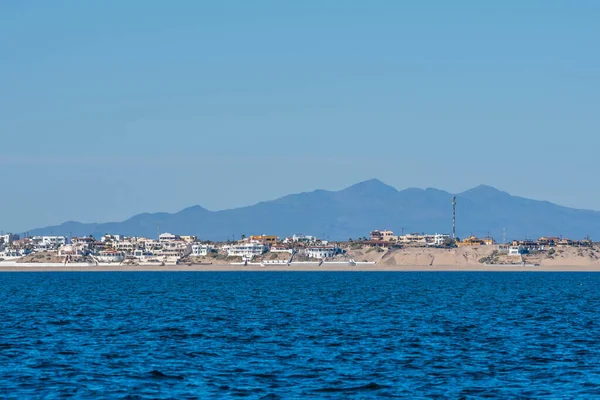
454, 217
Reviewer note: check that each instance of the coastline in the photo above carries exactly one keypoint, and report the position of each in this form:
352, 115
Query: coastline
285, 268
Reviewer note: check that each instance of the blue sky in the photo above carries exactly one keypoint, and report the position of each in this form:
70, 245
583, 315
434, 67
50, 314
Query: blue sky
112, 108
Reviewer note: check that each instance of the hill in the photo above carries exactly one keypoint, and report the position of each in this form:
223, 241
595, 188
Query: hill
355, 211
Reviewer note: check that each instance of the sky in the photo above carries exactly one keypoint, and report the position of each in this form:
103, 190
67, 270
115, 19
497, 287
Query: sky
112, 108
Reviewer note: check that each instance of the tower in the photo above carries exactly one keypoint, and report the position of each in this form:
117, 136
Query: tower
454, 217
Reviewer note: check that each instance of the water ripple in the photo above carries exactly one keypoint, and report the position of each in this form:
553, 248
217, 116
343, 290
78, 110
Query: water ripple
299, 335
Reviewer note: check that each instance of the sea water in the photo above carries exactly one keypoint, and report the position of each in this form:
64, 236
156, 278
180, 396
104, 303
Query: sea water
299, 335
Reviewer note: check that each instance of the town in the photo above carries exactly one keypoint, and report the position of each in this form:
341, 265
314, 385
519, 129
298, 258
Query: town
173, 249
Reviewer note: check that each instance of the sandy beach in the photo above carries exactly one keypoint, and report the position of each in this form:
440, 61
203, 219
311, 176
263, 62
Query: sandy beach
283, 268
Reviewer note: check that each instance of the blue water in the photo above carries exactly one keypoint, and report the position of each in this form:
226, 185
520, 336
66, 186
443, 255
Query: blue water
299, 335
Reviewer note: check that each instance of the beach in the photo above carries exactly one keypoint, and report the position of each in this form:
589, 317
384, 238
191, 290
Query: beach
284, 268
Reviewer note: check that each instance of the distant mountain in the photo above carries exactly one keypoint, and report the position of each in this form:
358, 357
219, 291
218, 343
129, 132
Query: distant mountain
355, 211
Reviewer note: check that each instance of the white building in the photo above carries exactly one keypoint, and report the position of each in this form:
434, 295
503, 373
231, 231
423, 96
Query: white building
127, 247
110, 257
111, 238
280, 249
201, 250
304, 239
515, 250
247, 250
437, 240
168, 237
73, 250
8, 238
48, 242
322, 251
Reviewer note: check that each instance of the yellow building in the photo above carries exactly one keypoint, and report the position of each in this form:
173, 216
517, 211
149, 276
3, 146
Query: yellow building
471, 241
189, 239
264, 239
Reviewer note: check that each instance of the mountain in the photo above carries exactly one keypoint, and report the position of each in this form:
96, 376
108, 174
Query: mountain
355, 211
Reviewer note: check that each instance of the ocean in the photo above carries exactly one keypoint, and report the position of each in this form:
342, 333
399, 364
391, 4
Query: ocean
301, 335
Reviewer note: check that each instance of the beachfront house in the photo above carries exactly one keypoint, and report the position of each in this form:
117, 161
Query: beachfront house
322, 252
202, 250
516, 250
278, 248
246, 250
42, 243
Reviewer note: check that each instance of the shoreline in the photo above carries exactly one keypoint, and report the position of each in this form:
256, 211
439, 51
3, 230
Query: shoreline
285, 268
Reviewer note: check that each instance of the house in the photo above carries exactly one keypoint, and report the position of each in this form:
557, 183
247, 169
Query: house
125, 247
303, 239
168, 237
516, 250
264, 239
48, 242
73, 250
385, 235
413, 239
189, 239
488, 241
8, 238
547, 242
246, 250
564, 242
280, 249
503, 248
438, 239
471, 241
86, 241
529, 245
202, 250
376, 243
322, 251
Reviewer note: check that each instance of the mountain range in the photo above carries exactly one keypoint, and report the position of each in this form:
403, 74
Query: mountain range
355, 211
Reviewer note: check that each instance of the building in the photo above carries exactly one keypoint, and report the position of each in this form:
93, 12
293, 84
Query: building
73, 250
168, 237
86, 241
438, 239
125, 247
376, 243
246, 250
387, 236
322, 251
109, 257
111, 238
280, 249
189, 239
547, 242
202, 250
8, 238
413, 239
264, 239
301, 239
471, 241
527, 244
48, 242
516, 250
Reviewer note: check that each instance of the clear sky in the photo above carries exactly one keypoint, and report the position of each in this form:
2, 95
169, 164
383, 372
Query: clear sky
111, 108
